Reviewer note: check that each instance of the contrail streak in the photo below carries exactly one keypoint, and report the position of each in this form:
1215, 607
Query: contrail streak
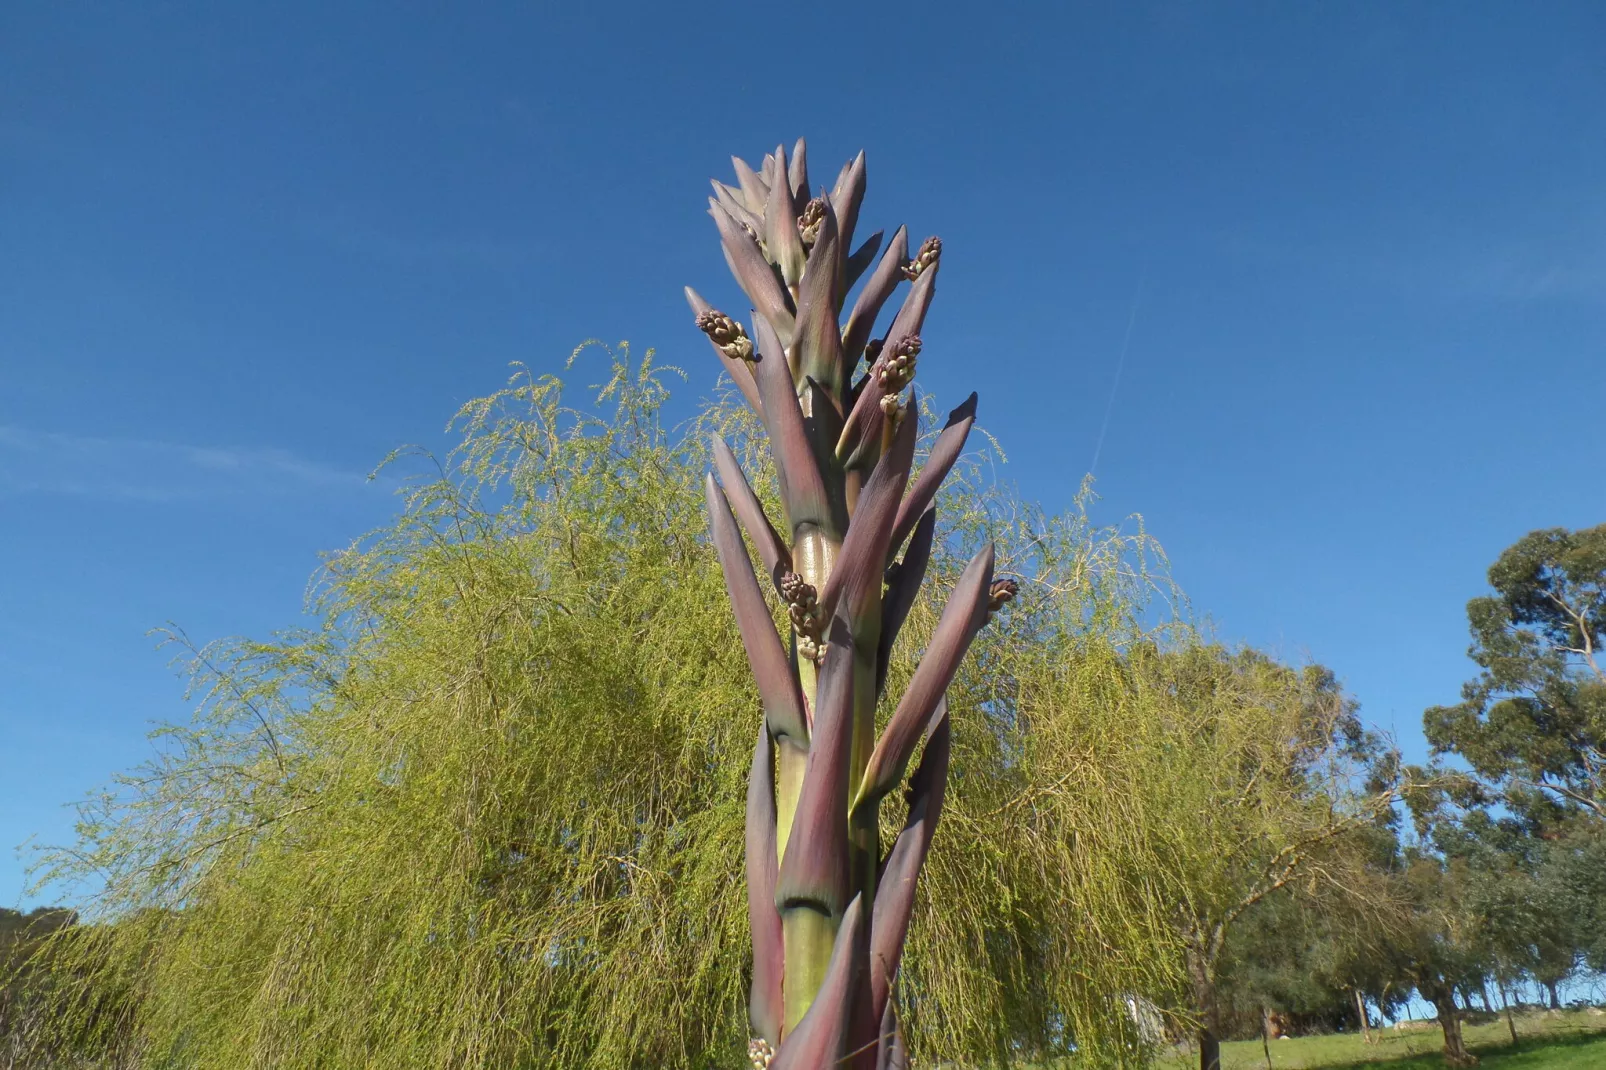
1120, 364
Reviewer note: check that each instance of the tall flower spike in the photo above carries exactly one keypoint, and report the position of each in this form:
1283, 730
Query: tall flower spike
829, 911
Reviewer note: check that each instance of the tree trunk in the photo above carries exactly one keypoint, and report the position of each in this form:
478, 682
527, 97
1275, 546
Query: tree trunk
1455, 1049
1555, 999
1511, 1021
1201, 971
1209, 1049
1265, 1034
1360, 1012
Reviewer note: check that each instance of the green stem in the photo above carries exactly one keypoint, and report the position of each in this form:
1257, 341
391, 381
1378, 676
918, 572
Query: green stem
808, 937
788, 785
864, 832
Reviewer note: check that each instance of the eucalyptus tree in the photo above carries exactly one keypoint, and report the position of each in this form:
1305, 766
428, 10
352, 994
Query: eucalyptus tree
829, 909
1532, 723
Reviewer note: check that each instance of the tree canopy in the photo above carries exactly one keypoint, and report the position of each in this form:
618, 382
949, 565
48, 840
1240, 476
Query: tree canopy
1532, 724
487, 810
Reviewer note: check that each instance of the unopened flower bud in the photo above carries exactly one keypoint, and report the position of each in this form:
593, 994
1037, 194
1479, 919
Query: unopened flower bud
726, 333
810, 650
808, 224
1001, 593
930, 252
896, 366
760, 1053
802, 605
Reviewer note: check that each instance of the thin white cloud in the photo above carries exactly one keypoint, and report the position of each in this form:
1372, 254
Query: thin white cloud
126, 469
400, 247
1549, 252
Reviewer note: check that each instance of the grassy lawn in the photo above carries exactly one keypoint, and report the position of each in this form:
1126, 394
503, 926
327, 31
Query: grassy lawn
1568, 1040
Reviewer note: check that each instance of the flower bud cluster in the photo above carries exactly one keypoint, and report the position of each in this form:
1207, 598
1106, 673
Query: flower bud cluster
808, 224
1000, 594
930, 252
726, 333
760, 1053
895, 369
803, 607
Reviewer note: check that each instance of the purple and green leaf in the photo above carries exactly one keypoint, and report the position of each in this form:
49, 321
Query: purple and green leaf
895, 890
750, 511
817, 342
803, 493
902, 587
777, 684
798, 174
755, 191
855, 581
944, 452
755, 274
846, 197
859, 263
764, 1005
814, 872
961, 619
781, 239
888, 273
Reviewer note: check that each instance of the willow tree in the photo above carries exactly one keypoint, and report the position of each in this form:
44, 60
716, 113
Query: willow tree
488, 809
1252, 779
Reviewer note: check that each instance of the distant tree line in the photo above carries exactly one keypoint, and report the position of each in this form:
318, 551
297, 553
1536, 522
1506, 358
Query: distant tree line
1494, 876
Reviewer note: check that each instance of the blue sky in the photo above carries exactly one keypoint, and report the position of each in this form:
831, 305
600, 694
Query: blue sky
1361, 250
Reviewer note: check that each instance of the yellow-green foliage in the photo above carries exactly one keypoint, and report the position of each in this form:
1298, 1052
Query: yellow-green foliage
488, 813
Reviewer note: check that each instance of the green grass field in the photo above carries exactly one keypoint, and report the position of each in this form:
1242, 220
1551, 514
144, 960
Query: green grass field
1567, 1040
